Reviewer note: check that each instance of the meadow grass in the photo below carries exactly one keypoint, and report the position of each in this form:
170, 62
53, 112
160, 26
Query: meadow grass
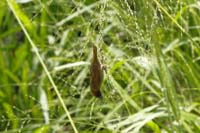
151, 50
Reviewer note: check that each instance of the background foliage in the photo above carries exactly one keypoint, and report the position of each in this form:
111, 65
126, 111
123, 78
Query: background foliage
151, 50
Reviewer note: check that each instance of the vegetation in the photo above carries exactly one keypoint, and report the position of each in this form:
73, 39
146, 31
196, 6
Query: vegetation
151, 49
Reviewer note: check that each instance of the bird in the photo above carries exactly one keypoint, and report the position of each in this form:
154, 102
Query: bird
96, 74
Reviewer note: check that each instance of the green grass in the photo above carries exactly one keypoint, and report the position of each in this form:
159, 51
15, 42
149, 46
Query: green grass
151, 50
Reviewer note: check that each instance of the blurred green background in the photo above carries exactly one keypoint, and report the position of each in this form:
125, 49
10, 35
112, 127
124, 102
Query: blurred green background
151, 50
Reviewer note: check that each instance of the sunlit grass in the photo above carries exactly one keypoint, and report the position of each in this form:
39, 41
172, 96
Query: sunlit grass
150, 49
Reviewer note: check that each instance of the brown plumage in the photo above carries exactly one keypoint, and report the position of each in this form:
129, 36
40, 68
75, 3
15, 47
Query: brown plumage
96, 74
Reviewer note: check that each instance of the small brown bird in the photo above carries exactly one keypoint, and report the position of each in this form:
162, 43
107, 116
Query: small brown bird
96, 74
